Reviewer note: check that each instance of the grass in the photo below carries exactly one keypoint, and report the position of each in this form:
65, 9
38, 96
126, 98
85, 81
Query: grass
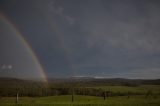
65, 100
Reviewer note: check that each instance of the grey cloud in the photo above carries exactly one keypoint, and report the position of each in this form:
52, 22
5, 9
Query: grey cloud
124, 35
59, 10
123, 39
137, 33
98, 38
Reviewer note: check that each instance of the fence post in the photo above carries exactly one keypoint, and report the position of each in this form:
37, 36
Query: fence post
72, 94
104, 95
17, 98
128, 94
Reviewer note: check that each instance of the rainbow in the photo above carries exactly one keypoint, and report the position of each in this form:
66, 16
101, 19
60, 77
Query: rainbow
59, 34
26, 44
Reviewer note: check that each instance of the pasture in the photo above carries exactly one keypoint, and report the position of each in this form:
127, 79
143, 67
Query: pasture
138, 99
65, 100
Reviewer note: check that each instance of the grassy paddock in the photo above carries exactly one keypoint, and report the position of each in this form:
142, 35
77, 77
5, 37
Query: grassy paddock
65, 100
80, 101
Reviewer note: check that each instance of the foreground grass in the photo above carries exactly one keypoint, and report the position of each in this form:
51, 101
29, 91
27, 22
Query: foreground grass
65, 100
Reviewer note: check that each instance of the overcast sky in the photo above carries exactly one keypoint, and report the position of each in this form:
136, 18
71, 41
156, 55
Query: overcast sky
97, 38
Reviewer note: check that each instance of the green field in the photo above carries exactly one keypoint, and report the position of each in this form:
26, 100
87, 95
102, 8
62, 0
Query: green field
81, 100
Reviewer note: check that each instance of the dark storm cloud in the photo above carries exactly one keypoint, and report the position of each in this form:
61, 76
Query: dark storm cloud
100, 38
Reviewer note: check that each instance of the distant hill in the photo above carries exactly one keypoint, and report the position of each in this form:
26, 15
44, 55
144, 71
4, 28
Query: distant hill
106, 81
14, 83
80, 81
61, 86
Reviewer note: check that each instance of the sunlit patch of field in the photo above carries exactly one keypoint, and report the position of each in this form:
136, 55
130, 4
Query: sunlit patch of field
143, 89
